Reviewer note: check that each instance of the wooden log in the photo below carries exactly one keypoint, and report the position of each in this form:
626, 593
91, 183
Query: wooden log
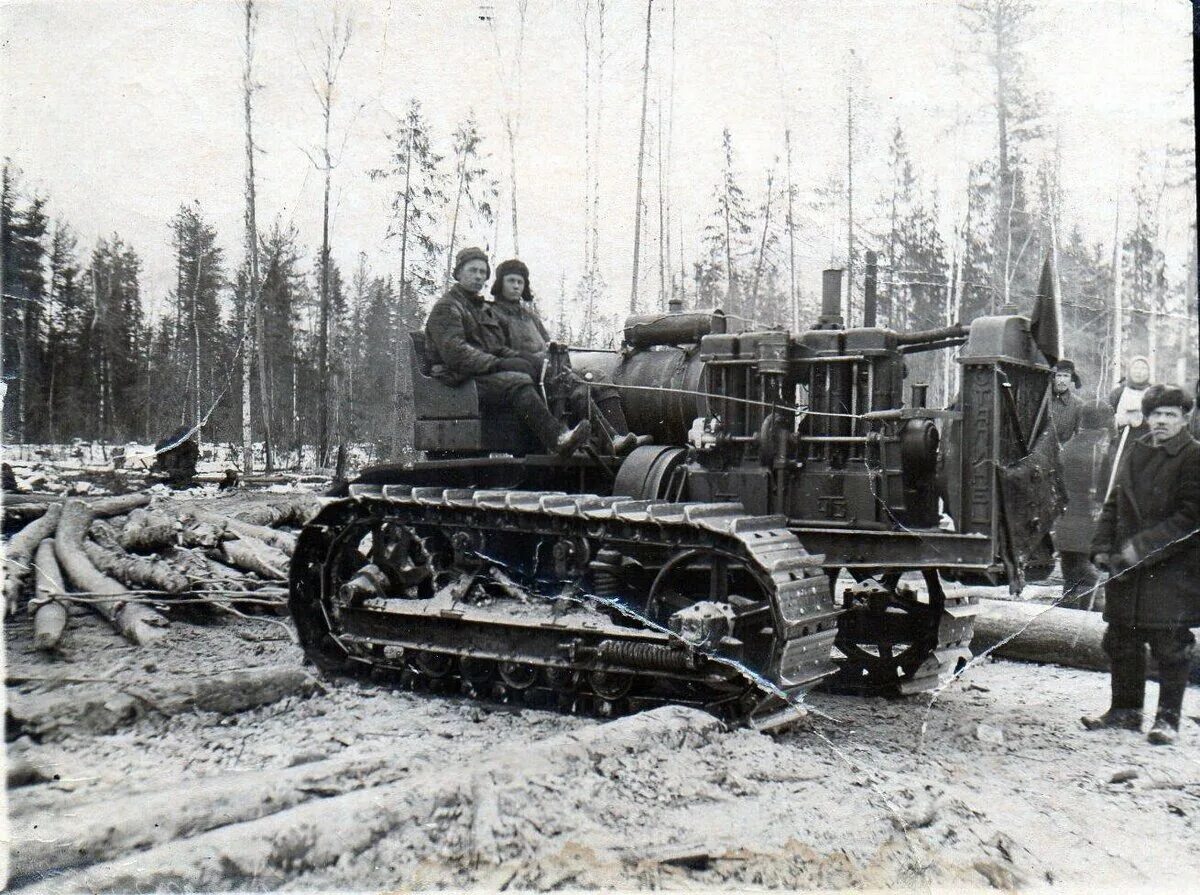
137, 572
1035, 632
16, 515
119, 505
18, 507
49, 614
328, 830
137, 623
106, 707
146, 531
280, 540
19, 553
292, 510
253, 555
108, 827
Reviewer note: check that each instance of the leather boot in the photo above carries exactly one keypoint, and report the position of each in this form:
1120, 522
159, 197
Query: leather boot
617, 427
532, 410
569, 440
1128, 696
1172, 684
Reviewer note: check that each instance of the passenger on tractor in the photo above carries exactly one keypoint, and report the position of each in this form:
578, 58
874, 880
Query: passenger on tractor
526, 334
466, 340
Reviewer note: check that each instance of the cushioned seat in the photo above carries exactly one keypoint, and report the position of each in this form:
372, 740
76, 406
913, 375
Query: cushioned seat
446, 418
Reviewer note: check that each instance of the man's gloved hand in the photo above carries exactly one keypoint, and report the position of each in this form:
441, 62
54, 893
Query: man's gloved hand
516, 365
535, 361
1100, 561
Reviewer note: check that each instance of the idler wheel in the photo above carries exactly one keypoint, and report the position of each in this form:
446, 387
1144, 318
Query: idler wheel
610, 685
476, 671
434, 665
518, 675
562, 680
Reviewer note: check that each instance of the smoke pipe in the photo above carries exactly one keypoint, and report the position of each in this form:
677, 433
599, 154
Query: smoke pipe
869, 299
831, 299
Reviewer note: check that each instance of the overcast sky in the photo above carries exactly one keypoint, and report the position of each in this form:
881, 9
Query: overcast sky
120, 111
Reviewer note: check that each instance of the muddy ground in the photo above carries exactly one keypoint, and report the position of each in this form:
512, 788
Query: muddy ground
992, 784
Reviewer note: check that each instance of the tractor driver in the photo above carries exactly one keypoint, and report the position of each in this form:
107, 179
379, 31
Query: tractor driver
465, 340
526, 335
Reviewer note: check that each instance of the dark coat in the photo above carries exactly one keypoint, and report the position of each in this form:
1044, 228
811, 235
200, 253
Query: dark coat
1065, 411
1155, 505
464, 337
524, 328
1083, 463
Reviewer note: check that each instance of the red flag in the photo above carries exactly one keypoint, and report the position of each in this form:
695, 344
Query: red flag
1043, 323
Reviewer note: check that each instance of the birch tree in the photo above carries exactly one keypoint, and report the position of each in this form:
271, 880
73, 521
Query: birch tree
332, 47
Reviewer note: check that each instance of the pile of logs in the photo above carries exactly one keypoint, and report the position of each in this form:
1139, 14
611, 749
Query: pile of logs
125, 558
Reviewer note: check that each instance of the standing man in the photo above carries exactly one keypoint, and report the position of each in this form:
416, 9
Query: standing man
1065, 407
1086, 477
465, 340
1148, 537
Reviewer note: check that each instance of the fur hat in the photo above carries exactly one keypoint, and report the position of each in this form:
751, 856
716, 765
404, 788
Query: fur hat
1165, 396
471, 253
514, 266
1066, 366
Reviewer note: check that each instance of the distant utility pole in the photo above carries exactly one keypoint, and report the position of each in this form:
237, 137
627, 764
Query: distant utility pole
637, 211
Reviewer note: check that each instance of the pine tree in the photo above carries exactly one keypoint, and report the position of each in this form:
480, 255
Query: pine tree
282, 294
417, 207
198, 338
473, 184
114, 337
726, 235
1001, 29
24, 285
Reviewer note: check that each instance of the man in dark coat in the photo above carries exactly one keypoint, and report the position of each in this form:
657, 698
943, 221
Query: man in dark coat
1065, 408
1148, 537
590, 397
465, 340
1085, 478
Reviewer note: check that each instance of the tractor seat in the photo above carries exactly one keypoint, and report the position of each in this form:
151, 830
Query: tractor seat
446, 418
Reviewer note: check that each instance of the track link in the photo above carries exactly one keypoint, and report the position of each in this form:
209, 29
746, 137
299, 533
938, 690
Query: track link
579, 601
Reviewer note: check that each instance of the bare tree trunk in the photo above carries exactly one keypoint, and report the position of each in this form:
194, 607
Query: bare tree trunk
1118, 306
512, 109
336, 44
762, 247
597, 145
454, 218
793, 302
251, 298
398, 435
264, 382
850, 193
195, 374
637, 211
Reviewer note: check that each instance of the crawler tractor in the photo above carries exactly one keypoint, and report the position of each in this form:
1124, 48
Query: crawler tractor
791, 524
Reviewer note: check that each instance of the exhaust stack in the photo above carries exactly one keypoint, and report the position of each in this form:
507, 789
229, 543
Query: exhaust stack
870, 301
831, 300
